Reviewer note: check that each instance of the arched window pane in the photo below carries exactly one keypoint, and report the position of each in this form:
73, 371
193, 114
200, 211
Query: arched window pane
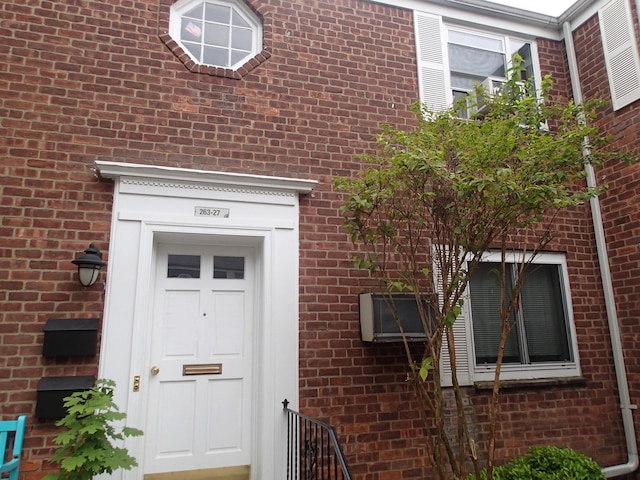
217, 13
215, 56
241, 39
217, 35
238, 21
195, 12
237, 56
194, 48
191, 30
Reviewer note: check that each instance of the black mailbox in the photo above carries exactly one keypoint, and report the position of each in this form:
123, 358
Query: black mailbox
74, 337
52, 392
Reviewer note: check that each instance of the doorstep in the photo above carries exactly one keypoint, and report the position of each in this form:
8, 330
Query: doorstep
241, 472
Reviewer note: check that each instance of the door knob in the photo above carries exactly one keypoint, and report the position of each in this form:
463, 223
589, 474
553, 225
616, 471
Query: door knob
155, 370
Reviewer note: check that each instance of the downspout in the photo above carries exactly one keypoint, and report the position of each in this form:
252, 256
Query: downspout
612, 316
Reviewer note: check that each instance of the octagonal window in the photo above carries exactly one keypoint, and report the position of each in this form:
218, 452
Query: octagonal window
216, 33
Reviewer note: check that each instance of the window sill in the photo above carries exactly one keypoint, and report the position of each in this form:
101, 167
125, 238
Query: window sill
532, 383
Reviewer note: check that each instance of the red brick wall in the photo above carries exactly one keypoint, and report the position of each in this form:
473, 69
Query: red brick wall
620, 209
84, 80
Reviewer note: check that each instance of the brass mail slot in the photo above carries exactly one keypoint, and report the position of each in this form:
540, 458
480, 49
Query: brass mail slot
202, 369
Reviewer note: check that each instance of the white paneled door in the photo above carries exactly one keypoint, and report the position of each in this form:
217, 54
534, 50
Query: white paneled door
199, 413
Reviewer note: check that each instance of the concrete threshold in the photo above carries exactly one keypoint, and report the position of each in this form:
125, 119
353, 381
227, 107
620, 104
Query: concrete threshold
242, 472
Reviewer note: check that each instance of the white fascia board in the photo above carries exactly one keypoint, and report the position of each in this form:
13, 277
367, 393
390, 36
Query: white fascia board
492, 15
502, 17
581, 11
113, 170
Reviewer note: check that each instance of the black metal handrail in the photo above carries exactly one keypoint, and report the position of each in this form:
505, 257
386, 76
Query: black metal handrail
313, 449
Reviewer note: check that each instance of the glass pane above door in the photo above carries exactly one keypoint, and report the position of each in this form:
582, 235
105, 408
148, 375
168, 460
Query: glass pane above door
228, 267
183, 266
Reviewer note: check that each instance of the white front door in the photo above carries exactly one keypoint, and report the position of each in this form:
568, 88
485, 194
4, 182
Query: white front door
199, 413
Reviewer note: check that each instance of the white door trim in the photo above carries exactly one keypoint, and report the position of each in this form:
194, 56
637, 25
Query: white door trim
160, 204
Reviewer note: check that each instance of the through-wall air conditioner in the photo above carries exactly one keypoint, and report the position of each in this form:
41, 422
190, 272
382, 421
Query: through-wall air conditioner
489, 87
378, 324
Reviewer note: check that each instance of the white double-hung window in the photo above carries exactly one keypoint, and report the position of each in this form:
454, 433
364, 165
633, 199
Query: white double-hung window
453, 60
541, 343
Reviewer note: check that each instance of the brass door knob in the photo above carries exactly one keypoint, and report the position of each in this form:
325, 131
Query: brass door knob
155, 370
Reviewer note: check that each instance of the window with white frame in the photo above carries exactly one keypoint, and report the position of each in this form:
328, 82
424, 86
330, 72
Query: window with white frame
483, 59
217, 33
453, 60
541, 342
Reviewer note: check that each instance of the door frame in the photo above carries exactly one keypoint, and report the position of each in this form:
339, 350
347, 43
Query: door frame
153, 204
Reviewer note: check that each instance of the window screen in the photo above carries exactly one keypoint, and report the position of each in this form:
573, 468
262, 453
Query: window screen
539, 332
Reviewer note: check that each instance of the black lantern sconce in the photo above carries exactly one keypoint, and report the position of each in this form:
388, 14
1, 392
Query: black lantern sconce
89, 265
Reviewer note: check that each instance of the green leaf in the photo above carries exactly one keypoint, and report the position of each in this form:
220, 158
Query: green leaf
425, 368
132, 432
452, 316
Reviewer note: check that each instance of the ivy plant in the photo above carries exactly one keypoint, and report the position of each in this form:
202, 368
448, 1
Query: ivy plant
87, 443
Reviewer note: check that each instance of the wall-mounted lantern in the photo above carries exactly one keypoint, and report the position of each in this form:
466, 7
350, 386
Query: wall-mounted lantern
89, 265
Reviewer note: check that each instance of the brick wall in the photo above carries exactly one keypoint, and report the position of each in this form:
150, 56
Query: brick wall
84, 80
620, 209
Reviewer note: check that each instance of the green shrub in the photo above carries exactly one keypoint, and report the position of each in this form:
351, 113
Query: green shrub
86, 447
549, 463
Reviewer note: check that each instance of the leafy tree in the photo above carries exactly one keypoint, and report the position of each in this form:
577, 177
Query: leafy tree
86, 446
434, 199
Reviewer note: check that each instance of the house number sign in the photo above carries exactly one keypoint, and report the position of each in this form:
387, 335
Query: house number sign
212, 212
